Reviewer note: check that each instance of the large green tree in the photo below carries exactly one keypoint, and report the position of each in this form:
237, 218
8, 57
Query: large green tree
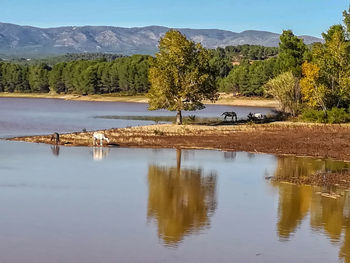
292, 52
180, 75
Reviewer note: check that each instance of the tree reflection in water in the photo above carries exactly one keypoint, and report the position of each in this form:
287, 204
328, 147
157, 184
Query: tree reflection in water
327, 215
181, 201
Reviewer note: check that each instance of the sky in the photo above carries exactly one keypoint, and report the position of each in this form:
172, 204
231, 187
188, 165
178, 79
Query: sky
304, 17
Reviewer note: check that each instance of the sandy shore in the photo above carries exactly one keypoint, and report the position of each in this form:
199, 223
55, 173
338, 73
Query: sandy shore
225, 99
324, 141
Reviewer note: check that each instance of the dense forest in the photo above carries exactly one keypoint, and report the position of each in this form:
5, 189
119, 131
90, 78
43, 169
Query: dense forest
69, 57
98, 73
125, 74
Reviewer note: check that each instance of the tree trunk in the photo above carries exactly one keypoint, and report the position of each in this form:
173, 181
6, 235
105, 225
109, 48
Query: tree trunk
178, 161
178, 118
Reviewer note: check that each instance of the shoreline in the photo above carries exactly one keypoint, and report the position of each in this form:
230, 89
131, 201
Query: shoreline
279, 138
224, 99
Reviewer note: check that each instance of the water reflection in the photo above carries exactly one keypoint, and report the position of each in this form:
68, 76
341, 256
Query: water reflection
230, 155
181, 201
296, 167
330, 216
99, 153
55, 150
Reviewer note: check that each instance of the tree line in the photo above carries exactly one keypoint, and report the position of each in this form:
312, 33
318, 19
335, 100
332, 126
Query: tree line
315, 82
69, 57
125, 74
311, 81
111, 73
249, 77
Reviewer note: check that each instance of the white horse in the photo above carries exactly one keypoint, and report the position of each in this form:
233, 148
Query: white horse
258, 116
99, 136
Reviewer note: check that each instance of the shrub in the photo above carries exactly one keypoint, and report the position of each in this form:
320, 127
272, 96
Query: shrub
285, 89
314, 116
335, 115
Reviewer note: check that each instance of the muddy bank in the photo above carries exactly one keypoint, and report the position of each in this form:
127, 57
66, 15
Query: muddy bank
324, 141
324, 179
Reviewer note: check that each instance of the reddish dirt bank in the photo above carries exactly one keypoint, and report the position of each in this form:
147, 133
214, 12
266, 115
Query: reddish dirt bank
325, 179
326, 141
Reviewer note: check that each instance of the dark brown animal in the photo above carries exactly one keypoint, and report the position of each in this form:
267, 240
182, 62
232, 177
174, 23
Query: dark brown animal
55, 137
231, 114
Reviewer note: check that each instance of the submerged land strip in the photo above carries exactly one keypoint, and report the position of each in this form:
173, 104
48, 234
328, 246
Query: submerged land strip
280, 138
224, 99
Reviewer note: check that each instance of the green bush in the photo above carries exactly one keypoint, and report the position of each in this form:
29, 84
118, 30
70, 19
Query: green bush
335, 115
314, 116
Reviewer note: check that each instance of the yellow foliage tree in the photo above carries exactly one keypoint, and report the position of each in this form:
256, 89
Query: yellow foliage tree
313, 93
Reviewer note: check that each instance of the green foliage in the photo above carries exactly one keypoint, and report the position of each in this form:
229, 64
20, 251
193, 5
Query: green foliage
180, 75
248, 79
338, 115
333, 60
247, 52
292, 51
285, 89
126, 74
335, 115
70, 57
242, 78
14, 78
38, 78
313, 115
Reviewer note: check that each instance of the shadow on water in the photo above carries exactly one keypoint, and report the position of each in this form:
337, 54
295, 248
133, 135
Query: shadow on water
180, 201
330, 216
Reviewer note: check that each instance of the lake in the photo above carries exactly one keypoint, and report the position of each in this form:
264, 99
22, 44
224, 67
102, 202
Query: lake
71, 204
26, 116
92, 204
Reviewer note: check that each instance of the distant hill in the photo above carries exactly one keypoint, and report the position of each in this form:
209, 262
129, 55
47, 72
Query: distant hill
33, 41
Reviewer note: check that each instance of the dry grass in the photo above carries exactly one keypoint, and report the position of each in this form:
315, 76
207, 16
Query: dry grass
325, 141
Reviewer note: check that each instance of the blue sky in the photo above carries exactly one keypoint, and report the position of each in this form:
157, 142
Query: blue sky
311, 17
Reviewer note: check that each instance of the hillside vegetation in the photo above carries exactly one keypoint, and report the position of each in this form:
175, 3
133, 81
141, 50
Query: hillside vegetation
309, 81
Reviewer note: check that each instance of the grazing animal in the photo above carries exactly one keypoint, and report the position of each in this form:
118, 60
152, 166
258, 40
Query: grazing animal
99, 136
55, 137
231, 114
258, 116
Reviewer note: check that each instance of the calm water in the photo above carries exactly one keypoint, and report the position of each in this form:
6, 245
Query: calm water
22, 116
91, 205
66, 204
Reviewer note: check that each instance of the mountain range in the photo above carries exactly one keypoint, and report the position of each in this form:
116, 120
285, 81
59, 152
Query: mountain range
28, 41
